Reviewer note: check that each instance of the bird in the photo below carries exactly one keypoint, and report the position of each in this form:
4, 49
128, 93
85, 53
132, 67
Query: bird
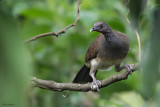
108, 49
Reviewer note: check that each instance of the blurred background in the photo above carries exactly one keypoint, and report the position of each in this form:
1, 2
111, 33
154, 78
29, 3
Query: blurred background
60, 58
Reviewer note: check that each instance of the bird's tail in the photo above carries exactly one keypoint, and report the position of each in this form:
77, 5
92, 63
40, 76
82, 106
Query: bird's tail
83, 75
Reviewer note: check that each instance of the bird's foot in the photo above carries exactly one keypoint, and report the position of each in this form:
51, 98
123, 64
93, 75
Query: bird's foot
129, 68
95, 85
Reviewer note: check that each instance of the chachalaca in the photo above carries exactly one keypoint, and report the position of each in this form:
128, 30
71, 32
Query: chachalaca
108, 49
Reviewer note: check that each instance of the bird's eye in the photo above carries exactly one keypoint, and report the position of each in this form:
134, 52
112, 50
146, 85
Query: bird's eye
101, 26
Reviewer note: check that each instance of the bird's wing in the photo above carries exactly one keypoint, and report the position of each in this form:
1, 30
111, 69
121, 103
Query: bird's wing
93, 49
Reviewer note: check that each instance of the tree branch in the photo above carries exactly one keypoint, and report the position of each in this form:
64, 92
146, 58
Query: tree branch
54, 86
60, 31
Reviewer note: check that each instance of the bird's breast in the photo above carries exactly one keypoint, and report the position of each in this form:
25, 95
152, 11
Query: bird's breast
113, 51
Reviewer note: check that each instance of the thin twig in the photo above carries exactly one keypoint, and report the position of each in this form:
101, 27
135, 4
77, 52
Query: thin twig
128, 13
60, 31
139, 44
54, 86
136, 32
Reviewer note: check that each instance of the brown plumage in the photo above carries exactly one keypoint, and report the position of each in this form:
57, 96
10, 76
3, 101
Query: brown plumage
108, 49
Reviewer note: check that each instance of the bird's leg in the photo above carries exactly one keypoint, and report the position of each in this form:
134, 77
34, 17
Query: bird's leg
127, 66
95, 83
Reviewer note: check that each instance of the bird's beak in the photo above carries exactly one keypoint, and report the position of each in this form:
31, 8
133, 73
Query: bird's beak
91, 30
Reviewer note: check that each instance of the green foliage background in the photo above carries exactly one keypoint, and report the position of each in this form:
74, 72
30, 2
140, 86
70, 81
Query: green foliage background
59, 59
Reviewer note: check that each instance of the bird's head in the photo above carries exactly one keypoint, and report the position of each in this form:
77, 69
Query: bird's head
100, 27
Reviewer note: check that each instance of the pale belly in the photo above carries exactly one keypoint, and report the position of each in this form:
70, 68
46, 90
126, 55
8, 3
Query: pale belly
102, 64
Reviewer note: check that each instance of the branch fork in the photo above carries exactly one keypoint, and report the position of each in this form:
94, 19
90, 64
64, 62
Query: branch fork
60, 31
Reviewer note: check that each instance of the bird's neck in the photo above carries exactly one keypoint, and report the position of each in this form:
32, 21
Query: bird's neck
108, 34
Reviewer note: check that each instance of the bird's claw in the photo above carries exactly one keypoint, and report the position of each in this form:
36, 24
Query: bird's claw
129, 68
95, 85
